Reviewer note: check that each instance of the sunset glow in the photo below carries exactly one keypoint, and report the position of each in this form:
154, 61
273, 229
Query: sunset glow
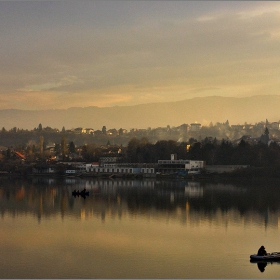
61, 54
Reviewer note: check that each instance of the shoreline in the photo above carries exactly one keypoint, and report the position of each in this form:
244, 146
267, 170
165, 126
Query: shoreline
248, 175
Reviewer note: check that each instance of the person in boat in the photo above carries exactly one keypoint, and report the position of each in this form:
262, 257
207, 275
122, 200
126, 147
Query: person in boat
262, 251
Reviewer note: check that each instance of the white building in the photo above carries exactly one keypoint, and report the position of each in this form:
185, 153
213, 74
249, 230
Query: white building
174, 165
118, 169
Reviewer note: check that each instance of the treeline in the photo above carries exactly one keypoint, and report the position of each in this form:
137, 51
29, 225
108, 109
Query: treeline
214, 152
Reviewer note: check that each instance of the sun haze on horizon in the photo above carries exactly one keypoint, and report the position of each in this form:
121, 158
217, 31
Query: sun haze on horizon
62, 54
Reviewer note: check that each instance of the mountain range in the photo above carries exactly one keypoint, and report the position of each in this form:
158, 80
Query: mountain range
200, 109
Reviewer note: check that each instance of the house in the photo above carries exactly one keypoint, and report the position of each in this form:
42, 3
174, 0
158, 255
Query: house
195, 127
78, 130
112, 132
98, 133
88, 130
274, 125
237, 127
50, 150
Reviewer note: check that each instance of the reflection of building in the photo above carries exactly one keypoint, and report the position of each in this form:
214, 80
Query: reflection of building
114, 184
43, 169
193, 189
223, 168
221, 203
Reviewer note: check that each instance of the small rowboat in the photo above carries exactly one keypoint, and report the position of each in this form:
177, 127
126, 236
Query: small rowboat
80, 193
274, 256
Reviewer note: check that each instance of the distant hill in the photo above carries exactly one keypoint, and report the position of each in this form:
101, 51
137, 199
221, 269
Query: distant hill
201, 109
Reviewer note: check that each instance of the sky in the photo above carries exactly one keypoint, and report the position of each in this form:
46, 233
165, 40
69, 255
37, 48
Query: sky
62, 54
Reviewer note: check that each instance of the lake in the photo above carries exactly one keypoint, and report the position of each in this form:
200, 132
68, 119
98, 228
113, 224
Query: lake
136, 228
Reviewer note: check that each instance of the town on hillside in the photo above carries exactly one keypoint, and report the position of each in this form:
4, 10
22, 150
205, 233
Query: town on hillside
183, 151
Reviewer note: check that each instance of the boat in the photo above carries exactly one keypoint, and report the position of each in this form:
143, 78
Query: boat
80, 193
274, 256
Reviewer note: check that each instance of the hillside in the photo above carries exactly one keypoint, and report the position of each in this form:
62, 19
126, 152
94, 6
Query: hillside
202, 109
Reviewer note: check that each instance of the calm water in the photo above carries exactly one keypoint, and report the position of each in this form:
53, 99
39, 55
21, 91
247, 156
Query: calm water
136, 229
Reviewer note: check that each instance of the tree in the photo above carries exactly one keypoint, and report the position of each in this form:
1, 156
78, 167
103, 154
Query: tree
104, 130
261, 154
224, 152
40, 128
41, 144
89, 152
72, 148
131, 151
64, 149
265, 136
242, 153
274, 153
57, 149
196, 151
8, 153
209, 148
192, 140
163, 149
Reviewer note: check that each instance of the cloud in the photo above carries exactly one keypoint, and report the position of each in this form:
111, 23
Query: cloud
93, 53
60, 86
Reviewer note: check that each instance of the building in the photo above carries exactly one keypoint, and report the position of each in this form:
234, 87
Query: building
274, 125
109, 167
195, 127
87, 131
119, 170
181, 166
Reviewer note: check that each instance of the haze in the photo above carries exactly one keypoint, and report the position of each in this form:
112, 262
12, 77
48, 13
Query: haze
62, 54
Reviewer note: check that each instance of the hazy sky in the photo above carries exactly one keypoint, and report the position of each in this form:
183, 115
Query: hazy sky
61, 54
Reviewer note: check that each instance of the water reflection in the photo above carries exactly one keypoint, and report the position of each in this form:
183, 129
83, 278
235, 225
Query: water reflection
263, 264
188, 201
135, 229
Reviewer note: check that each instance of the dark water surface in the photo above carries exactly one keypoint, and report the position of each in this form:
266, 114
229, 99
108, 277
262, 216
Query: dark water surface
136, 229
